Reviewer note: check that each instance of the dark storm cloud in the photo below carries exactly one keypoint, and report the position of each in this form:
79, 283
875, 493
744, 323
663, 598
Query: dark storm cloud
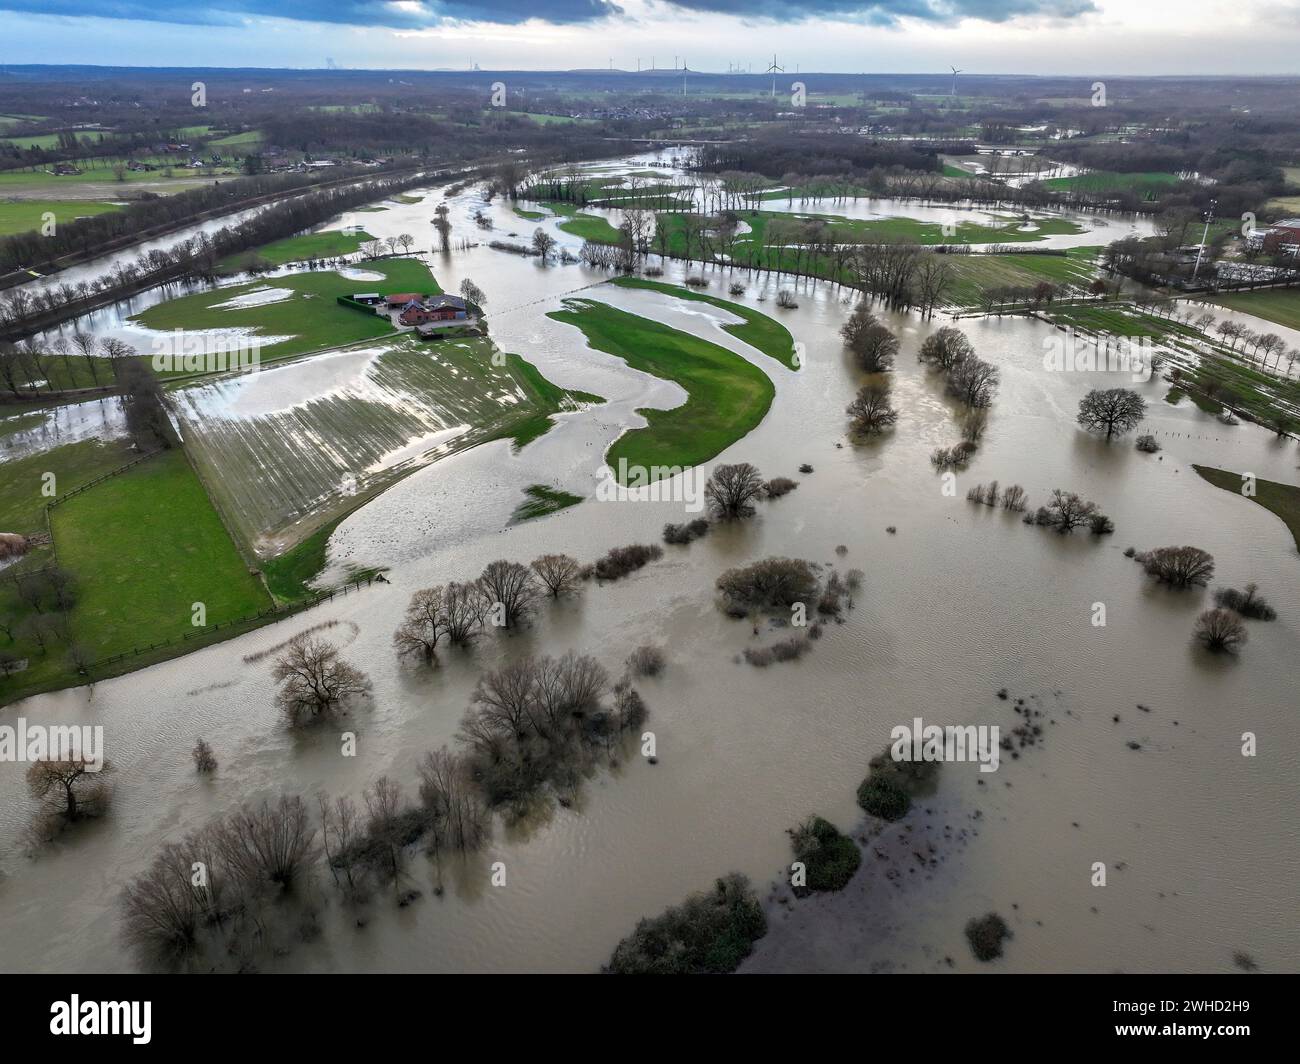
391, 15
341, 12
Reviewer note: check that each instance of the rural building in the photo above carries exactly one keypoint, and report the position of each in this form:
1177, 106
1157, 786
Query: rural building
370, 299
396, 302
439, 308
1278, 236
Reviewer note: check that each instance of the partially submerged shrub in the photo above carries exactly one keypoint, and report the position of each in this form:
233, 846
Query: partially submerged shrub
829, 858
1014, 498
646, 660
771, 583
707, 934
778, 486
205, 761
1178, 566
1220, 631
623, 560
685, 533
1100, 525
1246, 602
789, 649
1147, 443
986, 936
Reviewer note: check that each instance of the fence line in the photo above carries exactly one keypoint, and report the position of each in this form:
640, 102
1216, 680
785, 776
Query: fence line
98, 480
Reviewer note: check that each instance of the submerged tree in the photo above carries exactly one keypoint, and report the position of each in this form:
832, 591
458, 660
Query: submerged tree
1220, 631
72, 789
313, 679
870, 411
1114, 410
732, 490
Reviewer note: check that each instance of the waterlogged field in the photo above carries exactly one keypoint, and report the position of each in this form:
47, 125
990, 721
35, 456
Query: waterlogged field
300, 314
290, 448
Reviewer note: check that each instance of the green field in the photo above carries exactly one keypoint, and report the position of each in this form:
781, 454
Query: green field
1281, 499
758, 330
1149, 185
1280, 305
543, 501
21, 216
309, 316
727, 396
972, 274
587, 226
303, 248
21, 503
145, 546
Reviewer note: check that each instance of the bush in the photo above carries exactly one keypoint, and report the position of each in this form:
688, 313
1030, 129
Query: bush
1100, 525
697, 282
986, 935
1220, 631
778, 486
884, 797
205, 760
623, 560
789, 649
829, 858
736, 289
1178, 566
686, 533
707, 934
1014, 498
1247, 602
646, 660
1147, 443
771, 583
785, 300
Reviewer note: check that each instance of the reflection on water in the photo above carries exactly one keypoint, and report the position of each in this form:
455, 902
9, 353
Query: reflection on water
959, 602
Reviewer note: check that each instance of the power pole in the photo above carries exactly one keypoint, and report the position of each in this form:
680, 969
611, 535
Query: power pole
1205, 233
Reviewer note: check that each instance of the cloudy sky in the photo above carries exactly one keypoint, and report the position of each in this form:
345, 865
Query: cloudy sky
1075, 37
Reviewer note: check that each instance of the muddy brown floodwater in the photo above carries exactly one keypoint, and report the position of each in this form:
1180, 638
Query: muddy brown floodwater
1200, 842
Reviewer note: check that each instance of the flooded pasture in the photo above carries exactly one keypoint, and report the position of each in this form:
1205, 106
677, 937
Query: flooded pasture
958, 602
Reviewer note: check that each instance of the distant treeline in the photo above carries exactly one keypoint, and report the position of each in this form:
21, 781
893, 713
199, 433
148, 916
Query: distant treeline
775, 157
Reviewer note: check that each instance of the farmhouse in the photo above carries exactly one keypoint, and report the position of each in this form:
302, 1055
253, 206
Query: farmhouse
439, 308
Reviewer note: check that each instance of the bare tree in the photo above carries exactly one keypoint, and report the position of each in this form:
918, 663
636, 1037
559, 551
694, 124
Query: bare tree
385, 827
870, 411
1117, 410
73, 789
945, 347
1178, 566
313, 679
423, 625
463, 607
511, 591
472, 293
1220, 631
1068, 511
457, 812
543, 243
973, 381
270, 846
560, 573
205, 761
732, 490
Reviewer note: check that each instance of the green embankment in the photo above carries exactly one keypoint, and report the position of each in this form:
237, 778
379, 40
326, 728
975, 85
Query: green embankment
727, 396
758, 330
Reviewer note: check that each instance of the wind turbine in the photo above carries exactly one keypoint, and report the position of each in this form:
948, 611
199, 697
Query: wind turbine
774, 70
955, 72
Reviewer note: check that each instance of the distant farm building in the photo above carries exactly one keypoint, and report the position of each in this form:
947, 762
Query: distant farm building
370, 299
439, 308
1281, 236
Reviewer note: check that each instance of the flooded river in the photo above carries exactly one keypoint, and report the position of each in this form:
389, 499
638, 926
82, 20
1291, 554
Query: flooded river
958, 602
